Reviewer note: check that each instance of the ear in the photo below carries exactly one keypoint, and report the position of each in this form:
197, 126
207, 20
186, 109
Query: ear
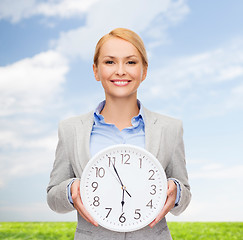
95, 70
144, 73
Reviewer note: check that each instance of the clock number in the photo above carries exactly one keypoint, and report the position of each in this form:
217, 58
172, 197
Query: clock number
100, 172
94, 185
154, 189
122, 219
137, 213
150, 204
125, 158
109, 211
96, 202
113, 161
151, 177
140, 162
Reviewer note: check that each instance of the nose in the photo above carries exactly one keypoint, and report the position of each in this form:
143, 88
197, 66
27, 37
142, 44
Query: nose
120, 71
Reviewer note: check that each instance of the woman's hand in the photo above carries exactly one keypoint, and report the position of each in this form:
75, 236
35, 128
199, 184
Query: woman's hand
169, 203
78, 204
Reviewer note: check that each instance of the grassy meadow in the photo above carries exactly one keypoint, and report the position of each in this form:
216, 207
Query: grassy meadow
65, 230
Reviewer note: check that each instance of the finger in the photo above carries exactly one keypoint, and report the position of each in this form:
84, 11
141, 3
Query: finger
84, 213
169, 204
81, 214
161, 215
78, 205
77, 202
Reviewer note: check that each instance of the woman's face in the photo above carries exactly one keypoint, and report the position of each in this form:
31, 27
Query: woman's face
120, 68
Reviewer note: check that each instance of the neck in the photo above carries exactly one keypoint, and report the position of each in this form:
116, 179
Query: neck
120, 111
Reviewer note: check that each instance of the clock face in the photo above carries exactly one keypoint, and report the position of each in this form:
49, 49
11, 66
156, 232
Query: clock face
123, 187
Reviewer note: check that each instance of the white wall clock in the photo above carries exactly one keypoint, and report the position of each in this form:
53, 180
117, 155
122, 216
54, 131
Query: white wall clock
123, 187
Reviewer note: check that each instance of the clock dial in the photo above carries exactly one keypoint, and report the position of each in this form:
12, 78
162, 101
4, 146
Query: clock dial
123, 187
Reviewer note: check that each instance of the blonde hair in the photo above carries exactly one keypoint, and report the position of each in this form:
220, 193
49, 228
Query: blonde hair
127, 35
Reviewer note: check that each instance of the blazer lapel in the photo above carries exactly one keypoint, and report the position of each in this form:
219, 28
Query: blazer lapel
83, 131
152, 132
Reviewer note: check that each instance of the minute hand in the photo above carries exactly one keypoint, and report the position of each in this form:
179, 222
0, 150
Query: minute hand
120, 180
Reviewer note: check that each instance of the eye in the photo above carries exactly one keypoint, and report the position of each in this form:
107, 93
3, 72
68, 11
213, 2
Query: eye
109, 62
131, 62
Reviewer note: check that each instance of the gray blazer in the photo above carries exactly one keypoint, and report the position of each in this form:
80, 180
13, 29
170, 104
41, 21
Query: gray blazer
163, 138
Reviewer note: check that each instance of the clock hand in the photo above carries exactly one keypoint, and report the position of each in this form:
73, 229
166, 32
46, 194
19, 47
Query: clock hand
122, 202
117, 174
120, 180
108, 168
128, 192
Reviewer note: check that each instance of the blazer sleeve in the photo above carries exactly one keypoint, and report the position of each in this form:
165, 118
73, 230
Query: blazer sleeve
61, 175
177, 169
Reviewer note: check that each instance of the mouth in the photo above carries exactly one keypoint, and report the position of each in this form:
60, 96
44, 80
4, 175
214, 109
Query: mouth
121, 83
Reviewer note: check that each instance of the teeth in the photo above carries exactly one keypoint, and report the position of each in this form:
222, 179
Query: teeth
120, 82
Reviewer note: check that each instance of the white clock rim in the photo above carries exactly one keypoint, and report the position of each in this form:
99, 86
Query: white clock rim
115, 147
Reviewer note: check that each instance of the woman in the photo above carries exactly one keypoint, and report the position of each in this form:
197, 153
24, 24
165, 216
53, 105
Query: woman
120, 64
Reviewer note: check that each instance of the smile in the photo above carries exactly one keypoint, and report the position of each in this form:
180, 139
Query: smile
120, 82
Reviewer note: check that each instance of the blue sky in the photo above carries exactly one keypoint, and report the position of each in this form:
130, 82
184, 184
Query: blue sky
195, 73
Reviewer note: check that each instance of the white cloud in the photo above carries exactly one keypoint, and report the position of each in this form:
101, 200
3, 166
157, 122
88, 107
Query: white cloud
17, 10
204, 207
21, 139
64, 8
31, 83
149, 19
218, 171
235, 98
24, 155
29, 88
207, 68
215, 192
209, 81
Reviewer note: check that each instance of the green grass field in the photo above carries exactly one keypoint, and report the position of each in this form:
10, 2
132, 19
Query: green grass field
65, 230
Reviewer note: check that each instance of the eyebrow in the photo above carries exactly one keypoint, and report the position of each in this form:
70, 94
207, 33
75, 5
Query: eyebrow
130, 56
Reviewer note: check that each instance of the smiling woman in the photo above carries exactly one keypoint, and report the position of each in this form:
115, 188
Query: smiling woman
120, 64
121, 71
